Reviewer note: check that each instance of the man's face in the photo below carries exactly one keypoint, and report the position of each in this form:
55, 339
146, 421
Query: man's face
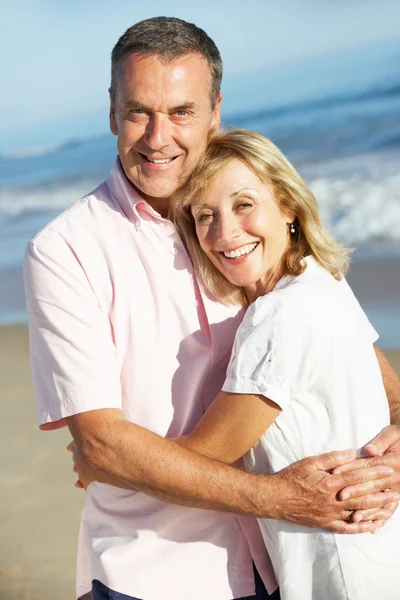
162, 115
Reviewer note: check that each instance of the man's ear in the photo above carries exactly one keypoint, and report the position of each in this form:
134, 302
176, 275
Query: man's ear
216, 119
113, 120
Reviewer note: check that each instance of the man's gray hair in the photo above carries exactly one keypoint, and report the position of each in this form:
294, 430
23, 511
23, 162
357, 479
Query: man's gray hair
169, 38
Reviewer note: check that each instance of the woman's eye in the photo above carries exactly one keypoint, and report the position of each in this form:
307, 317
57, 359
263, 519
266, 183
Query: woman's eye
244, 205
203, 217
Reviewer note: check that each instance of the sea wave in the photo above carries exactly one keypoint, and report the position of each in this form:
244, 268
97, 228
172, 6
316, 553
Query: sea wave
56, 195
359, 200
377, 92
30, 152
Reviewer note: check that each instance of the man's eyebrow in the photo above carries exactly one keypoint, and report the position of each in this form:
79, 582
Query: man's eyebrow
135, 104
184, 106
138, 105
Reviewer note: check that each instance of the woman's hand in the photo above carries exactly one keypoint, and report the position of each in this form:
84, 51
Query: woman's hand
85, 475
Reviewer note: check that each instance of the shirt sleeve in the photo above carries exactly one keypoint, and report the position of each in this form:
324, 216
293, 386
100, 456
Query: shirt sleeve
274, 354
72, 352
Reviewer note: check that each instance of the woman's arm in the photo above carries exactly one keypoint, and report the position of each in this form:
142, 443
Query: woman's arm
231, 426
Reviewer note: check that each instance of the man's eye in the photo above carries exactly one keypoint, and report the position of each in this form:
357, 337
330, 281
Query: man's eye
136, 112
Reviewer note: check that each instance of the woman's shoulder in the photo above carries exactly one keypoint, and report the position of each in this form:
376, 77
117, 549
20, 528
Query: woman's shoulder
313, 299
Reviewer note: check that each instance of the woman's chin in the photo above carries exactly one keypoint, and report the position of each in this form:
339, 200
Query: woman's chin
242, 282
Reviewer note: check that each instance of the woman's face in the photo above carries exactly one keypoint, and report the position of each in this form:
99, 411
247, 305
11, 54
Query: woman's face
241, 228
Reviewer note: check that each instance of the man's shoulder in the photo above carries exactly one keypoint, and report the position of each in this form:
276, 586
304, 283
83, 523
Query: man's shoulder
80, 217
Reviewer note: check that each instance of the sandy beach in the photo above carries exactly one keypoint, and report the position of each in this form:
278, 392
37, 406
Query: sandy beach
39, 505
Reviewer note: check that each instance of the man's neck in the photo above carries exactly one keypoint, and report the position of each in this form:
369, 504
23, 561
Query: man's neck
160, 205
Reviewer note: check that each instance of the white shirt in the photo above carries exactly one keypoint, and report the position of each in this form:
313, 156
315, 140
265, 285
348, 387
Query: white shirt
308, 346
117, 321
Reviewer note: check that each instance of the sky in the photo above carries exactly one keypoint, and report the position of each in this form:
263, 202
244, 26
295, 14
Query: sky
55, 55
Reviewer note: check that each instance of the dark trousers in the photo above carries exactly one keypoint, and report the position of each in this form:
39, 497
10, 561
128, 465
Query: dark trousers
101, 592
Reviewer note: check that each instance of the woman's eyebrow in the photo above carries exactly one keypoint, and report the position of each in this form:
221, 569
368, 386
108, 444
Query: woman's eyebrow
245, 189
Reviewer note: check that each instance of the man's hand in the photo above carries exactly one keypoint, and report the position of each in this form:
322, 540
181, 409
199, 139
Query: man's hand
384, 449
308, 494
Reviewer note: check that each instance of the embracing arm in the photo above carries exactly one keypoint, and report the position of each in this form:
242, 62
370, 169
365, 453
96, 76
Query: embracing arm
132, 457
231, 426
391, 382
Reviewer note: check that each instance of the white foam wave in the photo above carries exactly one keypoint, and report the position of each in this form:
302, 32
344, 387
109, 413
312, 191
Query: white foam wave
359, 198
51, 197
358, 211
31, 152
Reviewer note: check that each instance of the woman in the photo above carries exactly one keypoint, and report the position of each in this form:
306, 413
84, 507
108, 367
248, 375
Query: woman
303, 376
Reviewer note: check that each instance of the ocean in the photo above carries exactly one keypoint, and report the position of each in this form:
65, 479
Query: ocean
336, 117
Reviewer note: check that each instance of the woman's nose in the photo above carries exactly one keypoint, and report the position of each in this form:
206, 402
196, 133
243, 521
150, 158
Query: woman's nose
227, 228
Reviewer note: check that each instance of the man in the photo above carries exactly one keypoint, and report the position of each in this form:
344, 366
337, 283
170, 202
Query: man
128, 352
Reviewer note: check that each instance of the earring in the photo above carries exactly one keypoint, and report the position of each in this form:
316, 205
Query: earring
292, 229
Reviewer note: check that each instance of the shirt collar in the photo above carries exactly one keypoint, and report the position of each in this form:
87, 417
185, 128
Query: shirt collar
128, 199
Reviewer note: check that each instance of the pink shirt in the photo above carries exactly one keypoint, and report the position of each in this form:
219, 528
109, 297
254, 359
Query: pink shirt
117, 321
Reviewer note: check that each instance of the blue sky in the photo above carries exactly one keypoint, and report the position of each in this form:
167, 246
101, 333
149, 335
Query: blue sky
55, 55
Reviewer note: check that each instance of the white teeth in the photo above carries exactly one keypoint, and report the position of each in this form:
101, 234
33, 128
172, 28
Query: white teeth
240, 251
161, 161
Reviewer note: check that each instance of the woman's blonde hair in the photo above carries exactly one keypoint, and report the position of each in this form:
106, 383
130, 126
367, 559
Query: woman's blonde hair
292, 195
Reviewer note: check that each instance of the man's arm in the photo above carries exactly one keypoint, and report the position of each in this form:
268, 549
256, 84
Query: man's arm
391, 382
304, 493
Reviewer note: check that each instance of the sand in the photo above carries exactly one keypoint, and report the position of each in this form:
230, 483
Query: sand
39, 505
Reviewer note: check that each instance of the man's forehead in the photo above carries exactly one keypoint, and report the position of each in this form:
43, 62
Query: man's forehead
182, 76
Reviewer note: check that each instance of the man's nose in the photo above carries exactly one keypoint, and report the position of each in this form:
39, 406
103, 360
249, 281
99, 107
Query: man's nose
158, 132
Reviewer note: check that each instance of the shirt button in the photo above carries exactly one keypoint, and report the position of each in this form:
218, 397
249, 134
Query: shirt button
262, 387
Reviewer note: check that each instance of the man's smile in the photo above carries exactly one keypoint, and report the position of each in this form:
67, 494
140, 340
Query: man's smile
158, 161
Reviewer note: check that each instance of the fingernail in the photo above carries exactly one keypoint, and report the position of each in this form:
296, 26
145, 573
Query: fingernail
372, 447
387, 470
345, 496
357, 518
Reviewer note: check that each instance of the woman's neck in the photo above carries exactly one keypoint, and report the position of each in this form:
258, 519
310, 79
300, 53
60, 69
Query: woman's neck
264, 285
